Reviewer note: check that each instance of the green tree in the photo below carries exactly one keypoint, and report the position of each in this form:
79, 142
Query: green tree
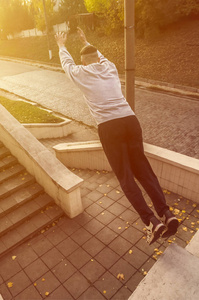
15, 16
110, 11
69, 8
150, 15
38, 11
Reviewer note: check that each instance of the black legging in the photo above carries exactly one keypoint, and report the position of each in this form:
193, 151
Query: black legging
122, 143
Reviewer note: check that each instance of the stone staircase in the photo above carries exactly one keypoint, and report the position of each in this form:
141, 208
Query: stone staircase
25, 209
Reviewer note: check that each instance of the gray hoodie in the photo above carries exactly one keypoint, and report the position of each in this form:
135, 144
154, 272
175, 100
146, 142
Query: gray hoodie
100, 85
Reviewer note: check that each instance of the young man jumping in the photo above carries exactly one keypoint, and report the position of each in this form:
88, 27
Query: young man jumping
120, 133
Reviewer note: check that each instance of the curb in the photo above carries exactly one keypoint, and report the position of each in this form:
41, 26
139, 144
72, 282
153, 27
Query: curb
139, 82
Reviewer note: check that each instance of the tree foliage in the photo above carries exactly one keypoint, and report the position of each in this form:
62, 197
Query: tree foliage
69, 8
15, 16
39, 16
150, 15
110, 11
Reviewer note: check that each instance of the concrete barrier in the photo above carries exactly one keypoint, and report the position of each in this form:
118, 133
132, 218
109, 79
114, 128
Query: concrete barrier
50, 130
174, 276
61, 184
176, 172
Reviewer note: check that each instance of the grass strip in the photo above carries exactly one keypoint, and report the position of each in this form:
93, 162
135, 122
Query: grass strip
28, 113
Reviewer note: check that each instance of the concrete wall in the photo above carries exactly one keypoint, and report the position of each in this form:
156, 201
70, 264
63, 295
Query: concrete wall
176, 172
50, 130
61, 184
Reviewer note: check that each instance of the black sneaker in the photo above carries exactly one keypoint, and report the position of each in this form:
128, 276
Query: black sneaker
171, 223
154, 230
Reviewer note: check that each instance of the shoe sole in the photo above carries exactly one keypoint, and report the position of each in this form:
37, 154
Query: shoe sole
172, 227
157, 233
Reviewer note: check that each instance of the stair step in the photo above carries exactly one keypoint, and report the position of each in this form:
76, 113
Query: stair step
20, 214
4, 152
14, 184
29, 228
7, 162
19, 198
11, 172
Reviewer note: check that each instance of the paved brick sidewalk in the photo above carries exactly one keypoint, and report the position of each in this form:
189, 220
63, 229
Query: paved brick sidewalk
81, 258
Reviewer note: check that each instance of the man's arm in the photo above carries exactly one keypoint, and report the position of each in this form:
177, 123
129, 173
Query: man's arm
82, 37
66, 59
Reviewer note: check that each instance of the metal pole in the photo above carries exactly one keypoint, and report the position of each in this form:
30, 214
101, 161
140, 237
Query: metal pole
129, 30
47, 30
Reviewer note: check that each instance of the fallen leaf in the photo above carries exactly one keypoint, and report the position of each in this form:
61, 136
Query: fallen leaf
10, 284
35, 284
130, 251
14, 257
194, 205
144, 272
47, 293
104, 292
184, 228
118, 192
120, 276
119, 228
43, 279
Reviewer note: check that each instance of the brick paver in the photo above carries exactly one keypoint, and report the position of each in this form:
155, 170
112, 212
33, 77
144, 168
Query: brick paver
81, 258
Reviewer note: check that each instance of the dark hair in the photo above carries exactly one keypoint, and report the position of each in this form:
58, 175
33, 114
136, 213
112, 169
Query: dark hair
88, 50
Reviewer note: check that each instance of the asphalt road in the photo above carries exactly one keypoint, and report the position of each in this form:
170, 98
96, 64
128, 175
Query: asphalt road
169, 121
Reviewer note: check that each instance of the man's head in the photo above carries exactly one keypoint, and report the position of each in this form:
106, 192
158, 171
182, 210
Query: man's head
89, 55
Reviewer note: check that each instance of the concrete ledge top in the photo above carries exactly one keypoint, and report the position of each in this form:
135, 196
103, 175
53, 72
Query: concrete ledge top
193, 246
174, 276
78, 146
29, 125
